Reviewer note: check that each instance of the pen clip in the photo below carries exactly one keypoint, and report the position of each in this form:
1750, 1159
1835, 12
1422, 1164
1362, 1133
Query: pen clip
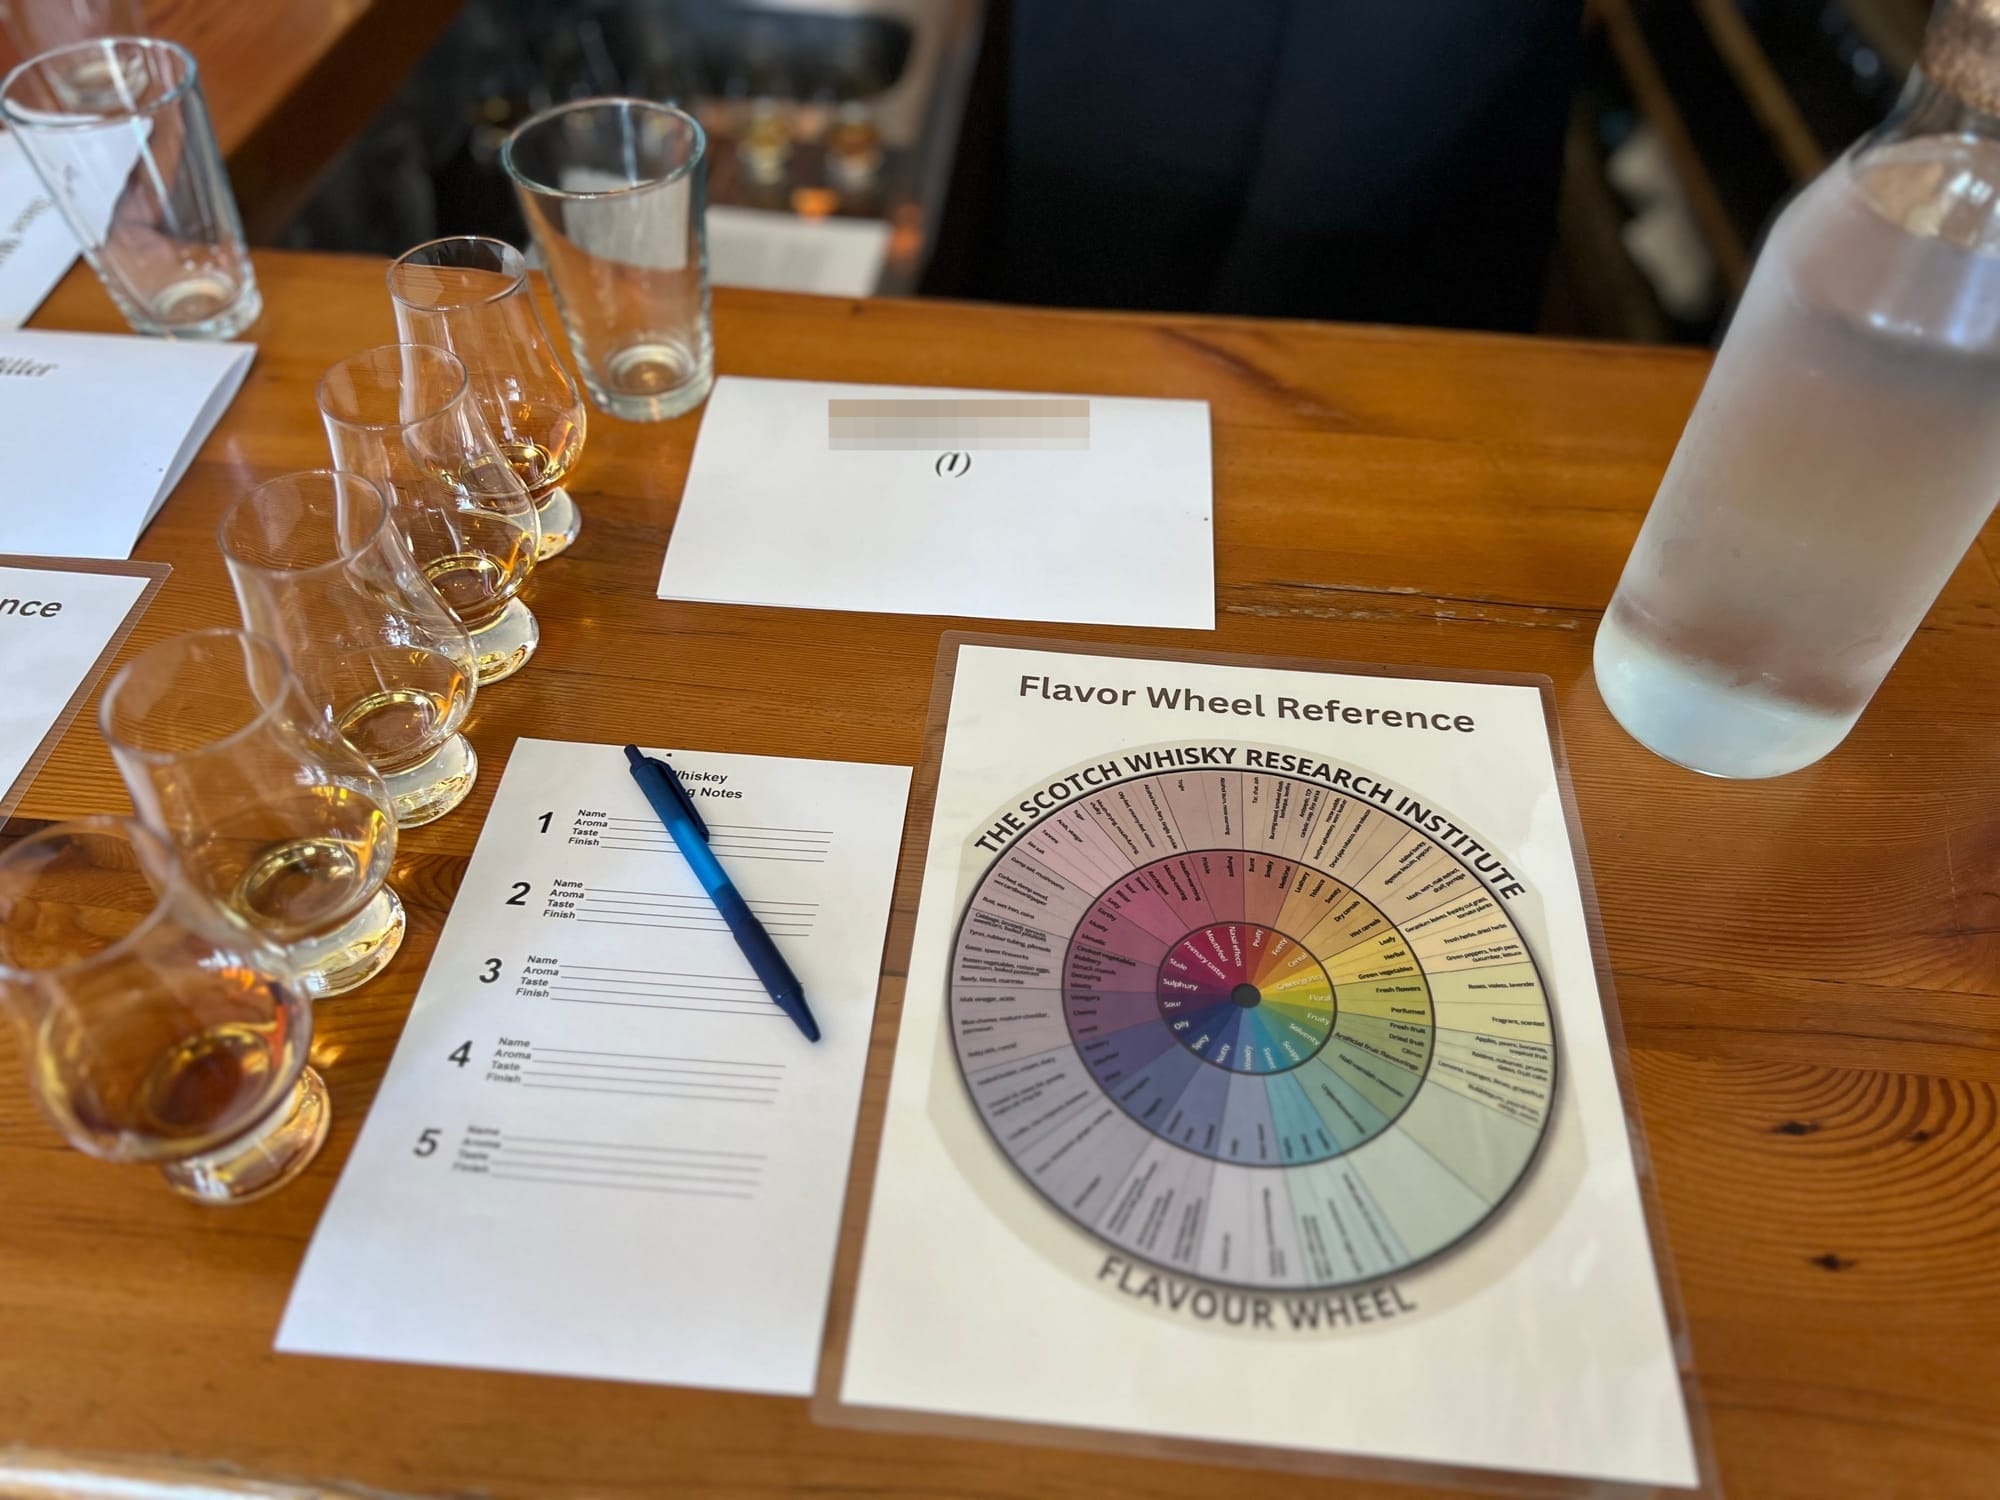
673, 781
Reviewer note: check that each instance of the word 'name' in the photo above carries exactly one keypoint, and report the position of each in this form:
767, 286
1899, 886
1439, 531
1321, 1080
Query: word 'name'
1186, 700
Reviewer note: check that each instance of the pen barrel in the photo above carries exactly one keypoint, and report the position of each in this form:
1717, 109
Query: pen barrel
765, 959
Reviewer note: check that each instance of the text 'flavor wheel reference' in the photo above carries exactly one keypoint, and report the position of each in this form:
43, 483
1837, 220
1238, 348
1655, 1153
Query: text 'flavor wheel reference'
1252, 1028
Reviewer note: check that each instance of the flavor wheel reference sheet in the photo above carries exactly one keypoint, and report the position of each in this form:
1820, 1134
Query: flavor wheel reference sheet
1255, 1087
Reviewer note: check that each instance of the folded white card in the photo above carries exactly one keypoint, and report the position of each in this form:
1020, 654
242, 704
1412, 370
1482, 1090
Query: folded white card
115, 421
36, 246
784, 253
904, 500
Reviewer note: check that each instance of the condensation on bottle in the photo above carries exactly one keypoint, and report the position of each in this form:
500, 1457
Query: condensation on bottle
1845, 450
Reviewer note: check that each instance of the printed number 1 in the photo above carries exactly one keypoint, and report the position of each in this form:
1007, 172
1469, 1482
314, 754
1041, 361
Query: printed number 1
545, 821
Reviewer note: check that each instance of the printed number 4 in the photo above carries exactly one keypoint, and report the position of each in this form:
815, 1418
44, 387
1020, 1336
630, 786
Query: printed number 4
463, 1055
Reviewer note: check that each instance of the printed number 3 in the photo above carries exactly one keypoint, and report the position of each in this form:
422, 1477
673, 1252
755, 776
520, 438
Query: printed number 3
492, 971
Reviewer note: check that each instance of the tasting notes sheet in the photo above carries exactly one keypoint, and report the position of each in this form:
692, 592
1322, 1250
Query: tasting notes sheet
600, 1149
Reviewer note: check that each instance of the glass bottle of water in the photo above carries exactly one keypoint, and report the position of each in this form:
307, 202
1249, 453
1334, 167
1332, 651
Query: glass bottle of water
1845, 450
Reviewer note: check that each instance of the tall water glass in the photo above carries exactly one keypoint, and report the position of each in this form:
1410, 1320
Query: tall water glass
272, 814
154, 1029
320, 570
404, 416
118, 133
470, 294
614, 192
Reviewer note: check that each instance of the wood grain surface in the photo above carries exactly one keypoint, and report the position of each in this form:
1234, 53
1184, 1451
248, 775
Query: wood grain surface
289, 82
1809, 969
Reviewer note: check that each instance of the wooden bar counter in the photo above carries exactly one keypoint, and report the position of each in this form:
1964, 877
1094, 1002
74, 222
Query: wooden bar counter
1809, 969
289, 82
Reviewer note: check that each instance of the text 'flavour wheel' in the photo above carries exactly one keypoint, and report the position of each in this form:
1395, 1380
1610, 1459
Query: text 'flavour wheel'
1252, 1028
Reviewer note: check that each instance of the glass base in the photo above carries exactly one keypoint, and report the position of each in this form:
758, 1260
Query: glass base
650, 382
353, 953
426, 792
503, 647
1700, 716
561, 522
264, 1161
199, 308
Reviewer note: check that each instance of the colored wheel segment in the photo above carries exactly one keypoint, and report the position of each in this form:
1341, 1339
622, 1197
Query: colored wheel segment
1251, 1029
1225, 999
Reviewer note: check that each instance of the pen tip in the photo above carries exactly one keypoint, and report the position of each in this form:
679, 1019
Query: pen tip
811, 1028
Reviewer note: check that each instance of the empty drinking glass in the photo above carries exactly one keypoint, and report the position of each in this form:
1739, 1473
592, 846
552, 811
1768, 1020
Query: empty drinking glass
36, 26
154, 1029
272, 814
320, 570
613, 191
470, 294
404, 416
118, 133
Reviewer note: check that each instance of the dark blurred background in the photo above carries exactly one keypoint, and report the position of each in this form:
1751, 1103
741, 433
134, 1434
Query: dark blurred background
1595, 168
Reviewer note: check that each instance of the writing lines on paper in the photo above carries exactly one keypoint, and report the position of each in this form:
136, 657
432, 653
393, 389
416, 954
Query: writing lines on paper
593, 1085
660, 1075
608, 905
503, 1155
730, 841
625, 987
627, 906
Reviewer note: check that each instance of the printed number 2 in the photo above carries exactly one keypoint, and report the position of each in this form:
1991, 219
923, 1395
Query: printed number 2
520, 896
427, 1143
463, 1055
492, 971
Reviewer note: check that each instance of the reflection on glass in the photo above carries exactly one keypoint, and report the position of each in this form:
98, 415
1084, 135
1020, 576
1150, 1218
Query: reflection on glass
269, 811
404, 416
319, 570
471, 295
153, 1027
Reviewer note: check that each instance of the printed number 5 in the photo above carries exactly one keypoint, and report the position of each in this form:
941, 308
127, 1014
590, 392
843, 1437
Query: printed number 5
492, 971
427, 1143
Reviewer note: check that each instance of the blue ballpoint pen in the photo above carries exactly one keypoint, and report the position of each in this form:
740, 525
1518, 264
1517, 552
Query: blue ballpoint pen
690, 835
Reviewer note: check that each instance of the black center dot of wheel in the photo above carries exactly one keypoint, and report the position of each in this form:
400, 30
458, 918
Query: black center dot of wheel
1245, 998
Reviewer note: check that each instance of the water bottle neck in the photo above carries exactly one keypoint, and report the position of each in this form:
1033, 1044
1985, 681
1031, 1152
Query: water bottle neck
1954, 90
1928, 107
